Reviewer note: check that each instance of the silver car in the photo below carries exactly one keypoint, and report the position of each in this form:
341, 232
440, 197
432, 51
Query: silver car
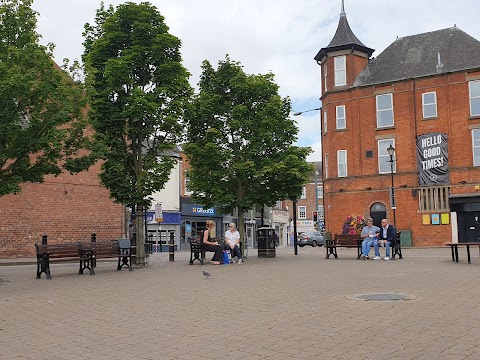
314, 238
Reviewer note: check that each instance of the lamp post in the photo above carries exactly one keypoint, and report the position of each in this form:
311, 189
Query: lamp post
391, 152
316, 197
295, 249
316, 172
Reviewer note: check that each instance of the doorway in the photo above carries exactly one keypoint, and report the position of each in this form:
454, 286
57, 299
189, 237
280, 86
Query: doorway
468, 227
378, 211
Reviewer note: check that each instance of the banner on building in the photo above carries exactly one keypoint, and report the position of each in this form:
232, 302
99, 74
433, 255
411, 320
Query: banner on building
432, 159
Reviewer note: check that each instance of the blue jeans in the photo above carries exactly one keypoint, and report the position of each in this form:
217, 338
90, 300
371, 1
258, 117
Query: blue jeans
387, 248
236, 252
366, 246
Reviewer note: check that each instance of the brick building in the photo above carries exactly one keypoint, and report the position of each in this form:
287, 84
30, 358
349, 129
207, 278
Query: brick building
67, 208
421, 96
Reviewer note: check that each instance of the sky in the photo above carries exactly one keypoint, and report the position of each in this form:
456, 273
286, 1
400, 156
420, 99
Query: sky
278, 36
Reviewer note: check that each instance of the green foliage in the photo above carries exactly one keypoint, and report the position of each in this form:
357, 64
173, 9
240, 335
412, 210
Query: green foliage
138, 91
41, 121
240, 141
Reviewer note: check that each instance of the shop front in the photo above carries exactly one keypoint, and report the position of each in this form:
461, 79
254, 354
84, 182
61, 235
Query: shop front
193, 222
159, 233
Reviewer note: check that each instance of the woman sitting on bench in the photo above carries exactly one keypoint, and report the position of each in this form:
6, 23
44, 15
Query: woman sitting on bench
212, 246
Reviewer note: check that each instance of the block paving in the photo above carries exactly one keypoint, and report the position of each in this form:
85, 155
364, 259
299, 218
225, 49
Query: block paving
288, 307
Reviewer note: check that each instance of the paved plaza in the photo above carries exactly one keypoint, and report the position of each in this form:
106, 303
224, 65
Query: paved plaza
288, 307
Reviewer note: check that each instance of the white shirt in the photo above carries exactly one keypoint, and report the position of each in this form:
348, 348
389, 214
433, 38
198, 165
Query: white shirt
231, 237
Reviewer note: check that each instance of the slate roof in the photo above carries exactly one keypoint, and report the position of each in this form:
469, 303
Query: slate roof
417, 56
344, 38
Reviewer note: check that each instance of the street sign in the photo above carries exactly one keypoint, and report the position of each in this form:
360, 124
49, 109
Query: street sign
158, 212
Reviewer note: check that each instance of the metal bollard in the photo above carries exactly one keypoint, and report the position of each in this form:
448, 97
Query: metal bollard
44, 239
172, 246
94, 240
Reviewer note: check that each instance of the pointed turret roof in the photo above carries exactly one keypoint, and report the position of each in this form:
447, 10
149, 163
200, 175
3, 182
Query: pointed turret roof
344, 38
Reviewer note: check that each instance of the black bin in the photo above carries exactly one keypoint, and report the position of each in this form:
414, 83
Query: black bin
266, 242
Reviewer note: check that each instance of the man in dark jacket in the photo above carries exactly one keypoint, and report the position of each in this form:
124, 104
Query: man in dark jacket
387, 235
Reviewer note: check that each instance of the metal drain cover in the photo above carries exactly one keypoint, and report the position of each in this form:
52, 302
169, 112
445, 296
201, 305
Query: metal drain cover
383, 297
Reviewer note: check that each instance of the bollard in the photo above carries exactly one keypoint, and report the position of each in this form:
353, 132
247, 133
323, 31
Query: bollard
94, 240
44, 239
172, 246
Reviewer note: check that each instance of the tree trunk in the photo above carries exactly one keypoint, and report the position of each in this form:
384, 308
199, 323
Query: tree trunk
241, 229
140, 258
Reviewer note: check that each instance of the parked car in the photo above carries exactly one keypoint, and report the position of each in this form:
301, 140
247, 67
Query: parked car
313, 238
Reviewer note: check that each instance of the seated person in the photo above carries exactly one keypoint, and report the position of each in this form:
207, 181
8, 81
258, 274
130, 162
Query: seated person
387, 234
213, 246
369, 234
232, 239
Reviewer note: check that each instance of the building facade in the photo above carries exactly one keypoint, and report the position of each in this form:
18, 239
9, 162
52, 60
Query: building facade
66, 208
420, 97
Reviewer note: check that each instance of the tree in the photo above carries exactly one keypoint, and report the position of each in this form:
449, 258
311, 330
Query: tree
138, 92
41, 120
240, 142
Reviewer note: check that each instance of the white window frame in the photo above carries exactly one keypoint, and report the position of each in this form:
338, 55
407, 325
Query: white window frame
476, 148
321, 212
383, 157
426, 106
340, 67
325, 76
380, 111
326, 166
304, 193
186, 180
342, 169
341, 121
475, 98
325, 121
302, 212
319, 191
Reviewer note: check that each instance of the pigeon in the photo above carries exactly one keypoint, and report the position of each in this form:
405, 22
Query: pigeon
206, 274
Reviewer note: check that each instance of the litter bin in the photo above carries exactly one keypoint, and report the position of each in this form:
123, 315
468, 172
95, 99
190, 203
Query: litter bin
266, 242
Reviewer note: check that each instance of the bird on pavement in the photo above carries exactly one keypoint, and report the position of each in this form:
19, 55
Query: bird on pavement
206, 274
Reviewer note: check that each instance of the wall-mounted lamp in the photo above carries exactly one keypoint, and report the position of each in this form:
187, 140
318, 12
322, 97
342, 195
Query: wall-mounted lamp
368, 188
341, 190
462, 182
403, 186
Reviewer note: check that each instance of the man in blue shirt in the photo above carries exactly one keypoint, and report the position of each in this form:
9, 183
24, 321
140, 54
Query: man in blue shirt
369, 234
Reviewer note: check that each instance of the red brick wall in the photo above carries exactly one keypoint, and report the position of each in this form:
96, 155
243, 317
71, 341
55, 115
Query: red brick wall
66, 208
364, 185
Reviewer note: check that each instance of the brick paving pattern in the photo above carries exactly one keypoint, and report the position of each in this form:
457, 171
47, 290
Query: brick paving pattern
289, 307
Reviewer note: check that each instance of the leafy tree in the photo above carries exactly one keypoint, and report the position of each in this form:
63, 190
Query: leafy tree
138, 90
240, 142
41, 120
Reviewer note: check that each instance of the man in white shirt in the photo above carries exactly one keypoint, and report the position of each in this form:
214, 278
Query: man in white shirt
232, 238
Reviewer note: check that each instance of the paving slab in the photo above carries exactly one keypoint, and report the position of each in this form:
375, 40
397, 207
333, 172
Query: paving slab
288, 307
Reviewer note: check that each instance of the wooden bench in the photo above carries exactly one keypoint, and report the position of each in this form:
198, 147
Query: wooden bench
344, 241
120, 248
197, 252
454, 249
49, 253
85, 252
355, 241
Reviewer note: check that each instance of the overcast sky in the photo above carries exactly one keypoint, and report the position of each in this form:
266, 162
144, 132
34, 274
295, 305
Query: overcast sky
281, 36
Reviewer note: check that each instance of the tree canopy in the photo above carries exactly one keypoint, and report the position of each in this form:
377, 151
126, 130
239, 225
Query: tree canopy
240, 141
41, 120
138, 92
